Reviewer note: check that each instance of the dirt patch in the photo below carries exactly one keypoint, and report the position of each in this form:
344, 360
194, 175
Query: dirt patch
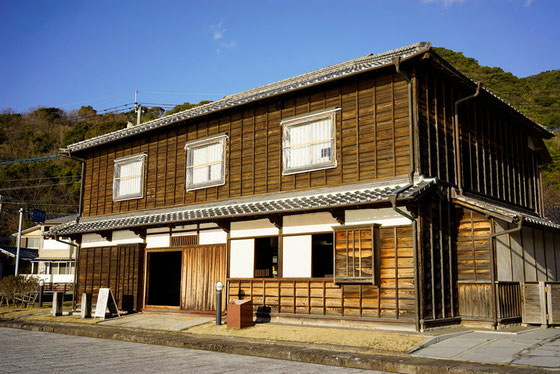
375, 340
14, 312
40, 315
74, 318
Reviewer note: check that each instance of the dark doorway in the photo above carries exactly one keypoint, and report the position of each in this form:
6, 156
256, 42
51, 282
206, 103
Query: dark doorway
322, 255
266, 257
164, 278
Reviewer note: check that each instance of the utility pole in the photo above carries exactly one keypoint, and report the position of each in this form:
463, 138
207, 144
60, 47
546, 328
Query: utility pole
19, 240
137, 108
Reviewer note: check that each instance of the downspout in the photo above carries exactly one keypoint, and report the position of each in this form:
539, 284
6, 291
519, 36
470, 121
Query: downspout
396, 62
457, 138
493, 235
393, 199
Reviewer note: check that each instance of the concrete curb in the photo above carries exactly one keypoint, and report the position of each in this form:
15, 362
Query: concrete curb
436, 339
390, 363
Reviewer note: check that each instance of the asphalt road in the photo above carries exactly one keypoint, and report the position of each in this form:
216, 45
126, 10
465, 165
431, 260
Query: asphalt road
24, 351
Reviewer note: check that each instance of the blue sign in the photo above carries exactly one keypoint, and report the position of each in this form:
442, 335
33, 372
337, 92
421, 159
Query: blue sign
38, 215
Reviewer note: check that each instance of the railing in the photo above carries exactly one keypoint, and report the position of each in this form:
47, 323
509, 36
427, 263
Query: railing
53, 278
475, 300
509, 299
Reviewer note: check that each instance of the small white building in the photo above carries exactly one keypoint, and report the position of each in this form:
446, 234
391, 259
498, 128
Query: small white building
55, 264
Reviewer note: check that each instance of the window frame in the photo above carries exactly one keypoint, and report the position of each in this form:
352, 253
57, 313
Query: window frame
375, 242
222, 138
299, 120
122, 160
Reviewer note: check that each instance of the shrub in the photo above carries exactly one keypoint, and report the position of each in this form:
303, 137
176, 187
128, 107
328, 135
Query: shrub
11, 286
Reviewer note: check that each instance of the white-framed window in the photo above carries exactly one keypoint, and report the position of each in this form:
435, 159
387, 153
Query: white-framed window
309, 142
128, 179
206, 162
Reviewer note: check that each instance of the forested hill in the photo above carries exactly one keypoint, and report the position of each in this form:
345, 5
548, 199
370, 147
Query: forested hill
54, 185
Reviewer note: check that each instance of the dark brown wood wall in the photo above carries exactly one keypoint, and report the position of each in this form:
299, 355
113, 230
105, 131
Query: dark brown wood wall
437, 266
203, 266
392, 298
473, 246
474, 265
496, 159
371, 142
119, 268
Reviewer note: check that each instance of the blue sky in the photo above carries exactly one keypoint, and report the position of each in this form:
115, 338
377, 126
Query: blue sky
72, 53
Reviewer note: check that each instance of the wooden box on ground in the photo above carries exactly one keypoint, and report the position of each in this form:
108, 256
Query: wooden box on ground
240, 314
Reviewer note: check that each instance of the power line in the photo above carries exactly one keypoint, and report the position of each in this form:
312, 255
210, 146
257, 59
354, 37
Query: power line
37, 186
34, 179
30, 160
11, 200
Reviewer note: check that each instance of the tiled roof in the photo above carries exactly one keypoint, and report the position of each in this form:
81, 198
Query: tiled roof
508, 212
24, 253
361, 64
324, 198
62, 219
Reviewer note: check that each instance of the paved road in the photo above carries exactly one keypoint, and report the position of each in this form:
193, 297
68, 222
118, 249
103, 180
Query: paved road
537, 347
24, 351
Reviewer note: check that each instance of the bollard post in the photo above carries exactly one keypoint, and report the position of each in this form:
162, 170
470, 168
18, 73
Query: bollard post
219, 288
41, 291
85, 311
57, 304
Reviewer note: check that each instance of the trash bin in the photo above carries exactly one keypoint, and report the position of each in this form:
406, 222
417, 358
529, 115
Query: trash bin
240, 314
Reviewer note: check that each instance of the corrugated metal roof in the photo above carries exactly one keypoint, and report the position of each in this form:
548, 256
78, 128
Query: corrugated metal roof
508, 212
324, 198
329, 73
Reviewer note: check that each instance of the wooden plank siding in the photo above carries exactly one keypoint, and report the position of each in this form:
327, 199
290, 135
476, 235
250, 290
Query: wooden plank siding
530, 255
496, 160
438, 295
118, 267
202, 267
372, 142
392, 298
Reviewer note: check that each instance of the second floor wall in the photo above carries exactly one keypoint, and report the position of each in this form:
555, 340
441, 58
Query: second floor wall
371, 142
497, 147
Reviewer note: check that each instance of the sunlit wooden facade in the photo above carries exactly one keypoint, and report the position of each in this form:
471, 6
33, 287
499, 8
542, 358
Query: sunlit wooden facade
395, 221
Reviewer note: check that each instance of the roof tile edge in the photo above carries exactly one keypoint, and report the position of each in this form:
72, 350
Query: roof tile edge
332, 72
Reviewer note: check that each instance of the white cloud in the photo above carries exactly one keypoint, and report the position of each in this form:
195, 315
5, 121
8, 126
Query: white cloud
445, 3
528, 3
218, 35
217, 31
229, 45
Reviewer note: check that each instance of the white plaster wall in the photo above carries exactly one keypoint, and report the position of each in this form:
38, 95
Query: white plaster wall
242, 258
94, 240
126, 237
259, 227
296, 257
383, 216
212, 237
184, 227
158, 240
157, 230
208, 225
53, 244
306, 223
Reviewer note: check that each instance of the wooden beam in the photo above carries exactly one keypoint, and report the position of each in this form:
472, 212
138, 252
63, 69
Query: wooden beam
224, 225
339, 215
276, 220
141, 232
107, 235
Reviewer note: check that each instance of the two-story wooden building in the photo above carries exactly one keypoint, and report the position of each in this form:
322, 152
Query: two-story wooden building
387, 189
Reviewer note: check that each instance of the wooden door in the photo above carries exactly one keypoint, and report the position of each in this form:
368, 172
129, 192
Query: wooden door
203, 266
